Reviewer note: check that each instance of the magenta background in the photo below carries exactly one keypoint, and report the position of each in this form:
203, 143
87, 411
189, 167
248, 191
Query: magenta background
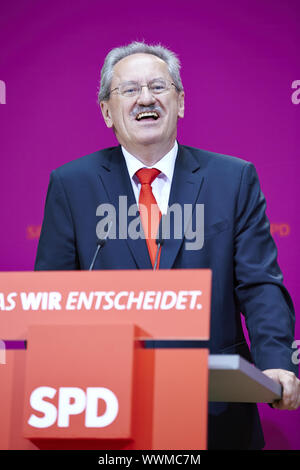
239, 61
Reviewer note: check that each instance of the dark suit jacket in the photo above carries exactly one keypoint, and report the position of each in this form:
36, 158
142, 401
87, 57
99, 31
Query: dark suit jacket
237, 247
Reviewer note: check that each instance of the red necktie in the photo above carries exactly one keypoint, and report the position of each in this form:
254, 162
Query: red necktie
149, 210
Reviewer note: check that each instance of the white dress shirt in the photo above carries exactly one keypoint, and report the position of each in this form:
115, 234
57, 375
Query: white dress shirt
161, 186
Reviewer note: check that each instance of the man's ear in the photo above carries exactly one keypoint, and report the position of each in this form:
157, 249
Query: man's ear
106, 113
181, 104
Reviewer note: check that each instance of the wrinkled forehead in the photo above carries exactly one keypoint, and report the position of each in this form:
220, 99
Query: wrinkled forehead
140, 67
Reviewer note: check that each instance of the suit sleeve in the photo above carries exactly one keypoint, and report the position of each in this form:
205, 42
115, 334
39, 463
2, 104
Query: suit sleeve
262, 297
57, 245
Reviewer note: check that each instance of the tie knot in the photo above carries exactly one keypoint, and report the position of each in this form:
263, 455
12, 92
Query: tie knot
147, 175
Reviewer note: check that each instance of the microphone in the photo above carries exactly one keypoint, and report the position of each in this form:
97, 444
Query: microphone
100, 244
159, 242
160, 239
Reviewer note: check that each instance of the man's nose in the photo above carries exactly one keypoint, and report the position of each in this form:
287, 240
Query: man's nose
145, 97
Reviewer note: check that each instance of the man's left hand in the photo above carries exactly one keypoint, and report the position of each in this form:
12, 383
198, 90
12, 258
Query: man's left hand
291, 388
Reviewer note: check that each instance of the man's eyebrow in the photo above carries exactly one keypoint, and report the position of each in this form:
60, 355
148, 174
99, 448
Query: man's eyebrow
137, 81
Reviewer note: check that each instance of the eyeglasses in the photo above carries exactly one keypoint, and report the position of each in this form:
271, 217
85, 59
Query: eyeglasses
156, 87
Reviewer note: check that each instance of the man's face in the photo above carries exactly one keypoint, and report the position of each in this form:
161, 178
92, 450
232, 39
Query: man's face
121, 112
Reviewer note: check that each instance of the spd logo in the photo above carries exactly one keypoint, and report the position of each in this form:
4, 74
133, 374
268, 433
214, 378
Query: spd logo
72, 401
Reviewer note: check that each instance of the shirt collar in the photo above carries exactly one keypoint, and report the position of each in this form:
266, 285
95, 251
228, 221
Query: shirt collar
165, 165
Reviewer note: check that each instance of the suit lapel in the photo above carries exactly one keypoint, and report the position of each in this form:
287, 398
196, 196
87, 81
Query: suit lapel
116, 181
186, 185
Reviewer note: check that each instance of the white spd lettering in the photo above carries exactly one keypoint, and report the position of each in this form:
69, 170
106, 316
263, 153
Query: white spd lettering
72, 401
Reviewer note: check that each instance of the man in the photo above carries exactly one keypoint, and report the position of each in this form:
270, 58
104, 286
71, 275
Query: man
141, 98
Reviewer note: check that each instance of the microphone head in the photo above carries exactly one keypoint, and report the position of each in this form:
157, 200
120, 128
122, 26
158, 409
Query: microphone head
101, 242
159, 241
161, 231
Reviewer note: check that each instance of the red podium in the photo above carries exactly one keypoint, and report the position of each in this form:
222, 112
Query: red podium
104, 360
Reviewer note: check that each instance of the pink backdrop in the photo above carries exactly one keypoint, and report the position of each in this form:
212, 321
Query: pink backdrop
240, 59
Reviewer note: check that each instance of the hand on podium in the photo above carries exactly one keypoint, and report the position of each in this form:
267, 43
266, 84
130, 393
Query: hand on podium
291, 388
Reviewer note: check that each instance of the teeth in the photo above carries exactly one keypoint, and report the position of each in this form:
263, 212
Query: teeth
147, 114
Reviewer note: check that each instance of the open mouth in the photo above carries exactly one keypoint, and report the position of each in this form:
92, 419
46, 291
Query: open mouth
147, 115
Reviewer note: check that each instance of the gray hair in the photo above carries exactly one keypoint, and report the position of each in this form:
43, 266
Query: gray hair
118, 53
